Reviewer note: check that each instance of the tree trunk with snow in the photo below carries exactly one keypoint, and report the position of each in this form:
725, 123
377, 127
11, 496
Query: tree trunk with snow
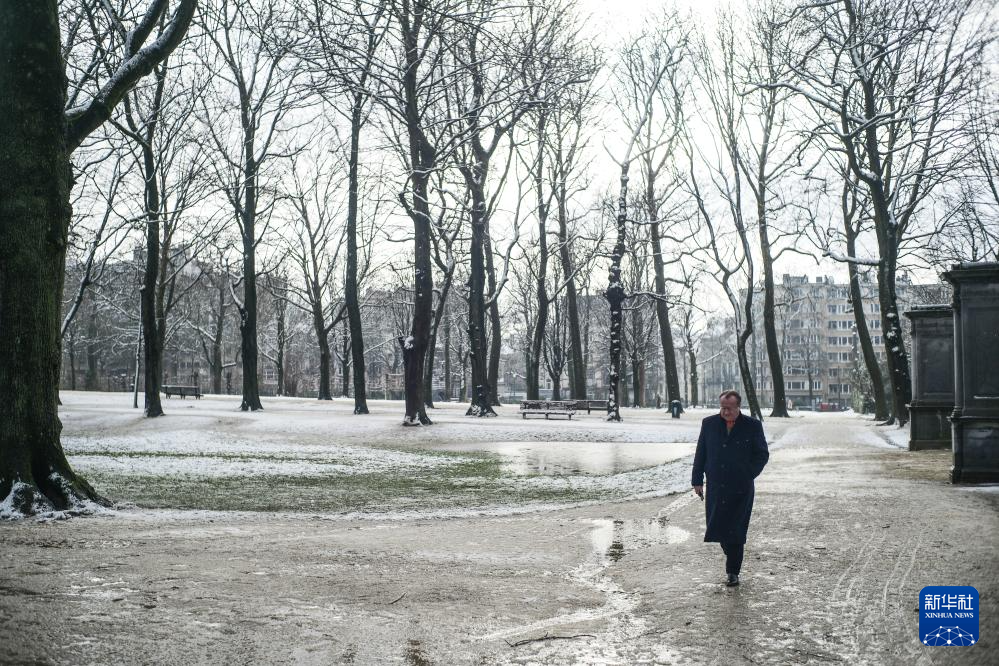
615, 296
38, 137
881, 411
577, 366
481, 404
662, 315
351, 300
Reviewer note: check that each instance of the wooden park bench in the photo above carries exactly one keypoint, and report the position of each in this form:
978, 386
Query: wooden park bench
591, 404
548, 407
182, 391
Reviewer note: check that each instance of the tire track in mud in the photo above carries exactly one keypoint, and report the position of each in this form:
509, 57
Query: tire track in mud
870, 611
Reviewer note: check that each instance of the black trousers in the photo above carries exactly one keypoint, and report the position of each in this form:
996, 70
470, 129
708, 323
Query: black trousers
733, 557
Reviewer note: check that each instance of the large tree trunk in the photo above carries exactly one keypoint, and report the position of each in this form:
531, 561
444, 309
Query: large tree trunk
637, 381
323, 339
541, 289
769, 321
898, 360
351, 300
422, 156
152, 339
34, 222
577, 366
248, 312
886, 230
742, 338
637, 369
414, 346
615, 300
216, 352
481, 404
662, 314
746, 371
881, 412
495, 330
577, 358
325, 392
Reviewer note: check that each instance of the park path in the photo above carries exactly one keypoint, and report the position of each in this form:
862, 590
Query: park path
846, 531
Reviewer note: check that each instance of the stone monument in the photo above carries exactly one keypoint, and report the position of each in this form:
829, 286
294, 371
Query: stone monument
932, 377
975, 420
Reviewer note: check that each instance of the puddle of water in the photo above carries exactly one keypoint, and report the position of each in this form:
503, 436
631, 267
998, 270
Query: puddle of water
613, 539
597, 458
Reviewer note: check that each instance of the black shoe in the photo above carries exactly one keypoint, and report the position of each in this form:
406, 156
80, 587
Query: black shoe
733, 580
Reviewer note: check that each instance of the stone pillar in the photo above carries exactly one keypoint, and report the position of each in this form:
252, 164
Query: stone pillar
975, 420
932, 377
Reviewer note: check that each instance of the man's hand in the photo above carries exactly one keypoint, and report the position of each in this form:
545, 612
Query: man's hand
699, 490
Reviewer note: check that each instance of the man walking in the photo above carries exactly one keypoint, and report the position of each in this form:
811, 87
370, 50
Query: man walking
732, 451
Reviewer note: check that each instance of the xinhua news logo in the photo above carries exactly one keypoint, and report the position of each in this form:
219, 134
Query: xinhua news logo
948, 615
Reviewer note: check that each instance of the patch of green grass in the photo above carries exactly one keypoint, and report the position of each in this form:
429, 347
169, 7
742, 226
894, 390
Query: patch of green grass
475, 482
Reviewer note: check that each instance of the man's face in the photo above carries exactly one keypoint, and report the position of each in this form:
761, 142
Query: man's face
729, 408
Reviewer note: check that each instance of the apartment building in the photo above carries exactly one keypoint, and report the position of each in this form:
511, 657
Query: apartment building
816, 330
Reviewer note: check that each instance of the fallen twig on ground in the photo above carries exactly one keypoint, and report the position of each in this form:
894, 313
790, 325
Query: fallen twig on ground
548, 637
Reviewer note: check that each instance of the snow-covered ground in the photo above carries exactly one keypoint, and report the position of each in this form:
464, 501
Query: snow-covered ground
303, 455
306, 455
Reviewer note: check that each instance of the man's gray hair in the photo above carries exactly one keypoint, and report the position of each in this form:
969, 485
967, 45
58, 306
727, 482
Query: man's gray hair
730, 394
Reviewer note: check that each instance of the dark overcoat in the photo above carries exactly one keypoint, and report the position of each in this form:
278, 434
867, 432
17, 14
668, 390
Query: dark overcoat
731, 460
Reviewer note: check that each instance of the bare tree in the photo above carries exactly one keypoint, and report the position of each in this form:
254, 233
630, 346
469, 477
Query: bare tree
639, 80
348, 38
569, 123
732, 258
315, 249
655, 78
555, 138
411, 84
447, 249
251, 51
770, 155
157, 120
855, 217
39, 135
886, 82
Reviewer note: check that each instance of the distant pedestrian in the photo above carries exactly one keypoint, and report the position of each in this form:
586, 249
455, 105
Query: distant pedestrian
731, 451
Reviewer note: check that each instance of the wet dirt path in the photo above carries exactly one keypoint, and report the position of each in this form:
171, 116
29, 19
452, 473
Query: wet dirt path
844, 536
